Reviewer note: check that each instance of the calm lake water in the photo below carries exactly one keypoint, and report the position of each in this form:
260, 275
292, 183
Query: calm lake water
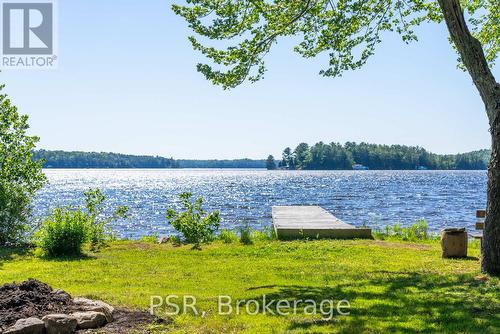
373, 198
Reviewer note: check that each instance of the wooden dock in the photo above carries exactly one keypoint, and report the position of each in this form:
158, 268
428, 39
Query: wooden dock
295, 222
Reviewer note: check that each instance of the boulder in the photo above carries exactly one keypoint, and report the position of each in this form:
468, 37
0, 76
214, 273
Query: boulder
27, 326
59, 323
90, 319
60, 294
85, 304
164, 240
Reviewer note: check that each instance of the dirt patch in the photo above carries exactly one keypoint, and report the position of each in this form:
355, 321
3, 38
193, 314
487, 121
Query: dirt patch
33, 298
30, 299
125, 322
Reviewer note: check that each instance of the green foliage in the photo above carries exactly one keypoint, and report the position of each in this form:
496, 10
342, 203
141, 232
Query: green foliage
63, 233
194, 223
228, 236
266, 234
347, 31
416, 232
484, 22
61, 159
149, 239
342, 157
270, 163
20, 175
246, 237
288, 159
175, 240
66, 229
236, 163
99, 228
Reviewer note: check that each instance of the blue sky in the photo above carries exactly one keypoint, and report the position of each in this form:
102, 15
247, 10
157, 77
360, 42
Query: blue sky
126, 82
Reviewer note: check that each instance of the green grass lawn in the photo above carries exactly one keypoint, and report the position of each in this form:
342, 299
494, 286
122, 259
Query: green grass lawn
391, 286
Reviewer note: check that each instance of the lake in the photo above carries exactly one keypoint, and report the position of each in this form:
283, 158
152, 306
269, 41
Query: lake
373, 198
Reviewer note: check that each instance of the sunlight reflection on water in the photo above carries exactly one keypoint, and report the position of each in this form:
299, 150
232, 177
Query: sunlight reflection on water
374, 198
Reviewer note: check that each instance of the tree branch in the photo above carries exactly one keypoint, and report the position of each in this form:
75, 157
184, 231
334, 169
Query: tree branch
472, 55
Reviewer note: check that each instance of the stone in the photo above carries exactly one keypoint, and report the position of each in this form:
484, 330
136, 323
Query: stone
59, 323
27, 326
85, 304
62, 293
454, 243
90, 319
164, 240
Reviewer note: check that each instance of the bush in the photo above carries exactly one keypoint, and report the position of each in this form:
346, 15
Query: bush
99, 228
246, 235
193, 223
20, 175
63, 233
228, 236
14, 214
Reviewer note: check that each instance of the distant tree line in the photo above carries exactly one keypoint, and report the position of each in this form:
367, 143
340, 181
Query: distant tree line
237, 163
335, 156
62, 159
317, 157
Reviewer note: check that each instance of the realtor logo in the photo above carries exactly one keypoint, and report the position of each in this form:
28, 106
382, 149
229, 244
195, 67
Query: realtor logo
28, 34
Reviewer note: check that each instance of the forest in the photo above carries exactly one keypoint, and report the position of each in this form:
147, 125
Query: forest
62, 159
335, 156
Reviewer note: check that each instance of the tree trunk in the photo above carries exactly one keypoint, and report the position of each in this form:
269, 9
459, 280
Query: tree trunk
491, 240
472, 55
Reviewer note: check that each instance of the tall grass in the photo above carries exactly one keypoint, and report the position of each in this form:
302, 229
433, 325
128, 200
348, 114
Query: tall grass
228, 236
246, 235
419, 231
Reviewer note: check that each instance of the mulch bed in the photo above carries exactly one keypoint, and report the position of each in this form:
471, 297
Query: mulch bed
33, 298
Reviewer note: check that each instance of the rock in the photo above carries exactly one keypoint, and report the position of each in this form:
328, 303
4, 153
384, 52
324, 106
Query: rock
90, 319
164, 240
62, 293
27, 326
85, 304
59, 323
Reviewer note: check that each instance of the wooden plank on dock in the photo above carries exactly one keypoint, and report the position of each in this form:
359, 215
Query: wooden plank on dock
293, 222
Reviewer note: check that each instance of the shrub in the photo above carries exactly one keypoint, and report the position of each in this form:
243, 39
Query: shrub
20, 175
14, 214
416, 232
195, 225
63, 233
246, 235
99, 228
228, 236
